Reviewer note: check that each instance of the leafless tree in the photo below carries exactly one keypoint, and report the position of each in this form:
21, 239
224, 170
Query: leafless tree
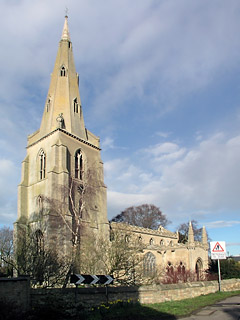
73, 201
44, 265
120, 257
145, 215
6, 250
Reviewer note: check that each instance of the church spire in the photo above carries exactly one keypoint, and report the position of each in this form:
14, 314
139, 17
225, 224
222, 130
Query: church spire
65, 32
190, 234
63, 105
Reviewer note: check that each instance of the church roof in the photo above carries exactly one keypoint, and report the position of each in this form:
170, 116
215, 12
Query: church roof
130, 228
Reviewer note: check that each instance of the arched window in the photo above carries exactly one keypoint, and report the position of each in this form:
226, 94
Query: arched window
42, 160
39, 241
151, 242
78, 165
161, 242
75, 105
63, 72
149, 264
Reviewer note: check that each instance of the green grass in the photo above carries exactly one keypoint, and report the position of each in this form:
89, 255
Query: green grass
187, 306
166, 310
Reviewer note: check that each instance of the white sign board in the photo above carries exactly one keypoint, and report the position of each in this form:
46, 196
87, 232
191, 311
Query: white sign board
218, 250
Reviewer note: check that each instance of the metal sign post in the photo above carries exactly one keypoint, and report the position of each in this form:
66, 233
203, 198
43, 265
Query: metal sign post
219, 275
218, 252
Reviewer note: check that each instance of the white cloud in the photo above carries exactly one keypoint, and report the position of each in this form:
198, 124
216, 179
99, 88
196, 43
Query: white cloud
108, 143
231, 244
205, 179
222, 224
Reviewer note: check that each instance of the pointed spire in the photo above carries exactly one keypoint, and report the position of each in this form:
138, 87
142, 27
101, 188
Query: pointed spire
65, 32
204, 236
190, 234
63, 108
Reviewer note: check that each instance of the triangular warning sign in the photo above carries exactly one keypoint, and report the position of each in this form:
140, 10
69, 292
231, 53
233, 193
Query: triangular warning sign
218, 248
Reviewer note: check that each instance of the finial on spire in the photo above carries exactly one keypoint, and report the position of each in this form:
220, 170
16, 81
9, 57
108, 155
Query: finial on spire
65, 33
66, 12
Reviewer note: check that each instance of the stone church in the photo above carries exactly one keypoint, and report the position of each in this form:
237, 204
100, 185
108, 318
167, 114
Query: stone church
62, 196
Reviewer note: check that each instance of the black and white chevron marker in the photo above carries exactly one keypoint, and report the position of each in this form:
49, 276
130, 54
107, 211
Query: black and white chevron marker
91, 279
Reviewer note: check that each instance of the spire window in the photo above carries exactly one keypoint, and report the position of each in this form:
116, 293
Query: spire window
42, 159
75, 105
63, 72
48, 104
78, 165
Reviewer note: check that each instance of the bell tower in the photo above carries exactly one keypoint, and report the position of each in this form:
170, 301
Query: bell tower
62, 191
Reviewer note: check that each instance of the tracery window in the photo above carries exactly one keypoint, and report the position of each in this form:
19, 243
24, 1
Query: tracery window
78, 165
42, 159
149, 264
63, 72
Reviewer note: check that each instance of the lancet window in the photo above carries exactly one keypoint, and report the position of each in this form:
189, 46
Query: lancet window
75, 105
42, 159
48, 104
78, 165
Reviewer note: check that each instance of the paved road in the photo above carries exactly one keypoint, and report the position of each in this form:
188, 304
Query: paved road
228, 309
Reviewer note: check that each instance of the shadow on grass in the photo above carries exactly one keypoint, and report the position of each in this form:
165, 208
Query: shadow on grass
136, 312
119, 311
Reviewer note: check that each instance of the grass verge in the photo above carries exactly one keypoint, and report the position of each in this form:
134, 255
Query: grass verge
166, 310
187, 306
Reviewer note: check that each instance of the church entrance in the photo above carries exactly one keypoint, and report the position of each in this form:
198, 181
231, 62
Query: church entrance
199, 269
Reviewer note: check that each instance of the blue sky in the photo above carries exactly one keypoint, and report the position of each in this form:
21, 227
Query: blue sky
160, 85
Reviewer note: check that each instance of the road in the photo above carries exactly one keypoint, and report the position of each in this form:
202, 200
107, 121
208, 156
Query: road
228, 309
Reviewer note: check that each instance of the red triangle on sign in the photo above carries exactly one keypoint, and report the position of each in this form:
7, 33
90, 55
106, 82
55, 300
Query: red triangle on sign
218, 248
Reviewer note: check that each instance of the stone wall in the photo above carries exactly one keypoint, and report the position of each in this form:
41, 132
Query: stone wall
144, 294
16, 291
168, 292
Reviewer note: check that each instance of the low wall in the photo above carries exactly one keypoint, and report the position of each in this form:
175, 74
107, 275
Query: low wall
144, 294
162, 293
16, 291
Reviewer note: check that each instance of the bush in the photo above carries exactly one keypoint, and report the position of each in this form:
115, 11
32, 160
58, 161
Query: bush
229, 268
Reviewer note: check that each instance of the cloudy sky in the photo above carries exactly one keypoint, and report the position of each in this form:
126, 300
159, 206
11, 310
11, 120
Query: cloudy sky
159, 83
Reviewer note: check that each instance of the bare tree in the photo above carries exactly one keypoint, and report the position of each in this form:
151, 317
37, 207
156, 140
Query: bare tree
73, 202
44, 265
6, 251
120, 257
145, 215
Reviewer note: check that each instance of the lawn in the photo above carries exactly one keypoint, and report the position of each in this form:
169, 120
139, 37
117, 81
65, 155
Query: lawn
167, 310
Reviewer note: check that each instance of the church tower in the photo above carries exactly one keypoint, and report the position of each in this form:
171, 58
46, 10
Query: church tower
62, 196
